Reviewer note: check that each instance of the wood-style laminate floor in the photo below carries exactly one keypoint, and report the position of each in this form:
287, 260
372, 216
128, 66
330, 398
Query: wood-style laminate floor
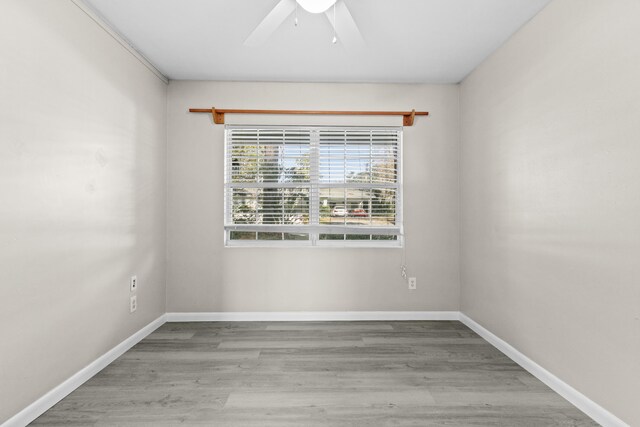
314, 374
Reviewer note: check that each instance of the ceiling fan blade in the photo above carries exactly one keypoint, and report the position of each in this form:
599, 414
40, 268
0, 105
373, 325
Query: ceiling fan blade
271, 22
346, 27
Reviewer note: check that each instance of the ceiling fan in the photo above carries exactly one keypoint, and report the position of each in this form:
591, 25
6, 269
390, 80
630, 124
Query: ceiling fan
336, 11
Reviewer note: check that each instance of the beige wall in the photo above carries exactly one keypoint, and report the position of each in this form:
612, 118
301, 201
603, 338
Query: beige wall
82, 195
551, 194
202, 275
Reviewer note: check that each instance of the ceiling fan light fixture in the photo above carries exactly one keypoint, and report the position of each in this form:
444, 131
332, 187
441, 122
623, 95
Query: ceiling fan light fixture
316, 6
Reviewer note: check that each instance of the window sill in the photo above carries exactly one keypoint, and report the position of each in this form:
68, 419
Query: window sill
327, 245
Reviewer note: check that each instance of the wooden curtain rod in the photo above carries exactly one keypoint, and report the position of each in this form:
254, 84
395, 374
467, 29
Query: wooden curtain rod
218, 113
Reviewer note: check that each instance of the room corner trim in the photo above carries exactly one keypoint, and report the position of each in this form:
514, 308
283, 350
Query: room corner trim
117, 37
296, 316
44, 403
579, 400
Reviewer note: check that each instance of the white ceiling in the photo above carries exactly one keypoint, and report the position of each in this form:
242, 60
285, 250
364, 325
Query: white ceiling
417, 41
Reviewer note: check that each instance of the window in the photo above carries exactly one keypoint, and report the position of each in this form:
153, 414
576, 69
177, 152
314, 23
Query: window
312, 186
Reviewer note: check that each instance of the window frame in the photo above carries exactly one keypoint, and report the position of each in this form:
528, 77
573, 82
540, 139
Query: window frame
314, 241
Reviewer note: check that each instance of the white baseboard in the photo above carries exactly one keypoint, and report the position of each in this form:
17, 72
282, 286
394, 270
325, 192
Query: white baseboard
579, 400
294, 316
41, 405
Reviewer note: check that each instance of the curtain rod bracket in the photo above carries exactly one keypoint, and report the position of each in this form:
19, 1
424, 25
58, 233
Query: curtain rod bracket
407, 119
218, 117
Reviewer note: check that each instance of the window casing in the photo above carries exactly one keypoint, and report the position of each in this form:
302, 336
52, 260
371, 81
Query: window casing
313, 186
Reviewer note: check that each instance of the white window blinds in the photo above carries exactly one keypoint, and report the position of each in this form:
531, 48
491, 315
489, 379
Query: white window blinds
312, 185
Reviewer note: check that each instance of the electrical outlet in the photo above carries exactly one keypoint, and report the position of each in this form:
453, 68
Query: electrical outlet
133, 283
413, 283
133, 304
